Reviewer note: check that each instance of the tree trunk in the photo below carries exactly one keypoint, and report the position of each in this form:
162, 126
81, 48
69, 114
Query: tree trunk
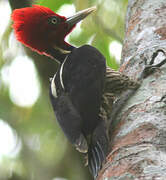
138, 144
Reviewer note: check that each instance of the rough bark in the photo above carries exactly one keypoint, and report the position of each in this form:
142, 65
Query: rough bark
138, 143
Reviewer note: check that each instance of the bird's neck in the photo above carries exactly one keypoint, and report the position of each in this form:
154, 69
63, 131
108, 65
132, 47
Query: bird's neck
59, 53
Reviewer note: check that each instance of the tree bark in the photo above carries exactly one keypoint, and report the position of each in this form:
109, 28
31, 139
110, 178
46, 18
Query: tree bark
138, 143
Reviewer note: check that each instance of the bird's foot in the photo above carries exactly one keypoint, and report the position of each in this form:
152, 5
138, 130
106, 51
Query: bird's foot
151, 67
81, 144
162, 99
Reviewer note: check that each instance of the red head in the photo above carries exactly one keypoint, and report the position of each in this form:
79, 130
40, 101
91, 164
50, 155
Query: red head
40, 28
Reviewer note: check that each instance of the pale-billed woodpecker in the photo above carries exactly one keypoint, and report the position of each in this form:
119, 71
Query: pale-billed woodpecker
83, 90
77, 87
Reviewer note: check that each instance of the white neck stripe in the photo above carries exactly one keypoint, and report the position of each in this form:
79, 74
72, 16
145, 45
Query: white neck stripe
61, 71
53, 87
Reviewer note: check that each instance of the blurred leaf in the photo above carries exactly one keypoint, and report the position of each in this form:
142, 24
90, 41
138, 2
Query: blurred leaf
54, 4
102, 43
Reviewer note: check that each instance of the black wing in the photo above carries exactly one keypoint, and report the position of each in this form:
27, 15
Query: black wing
83, 79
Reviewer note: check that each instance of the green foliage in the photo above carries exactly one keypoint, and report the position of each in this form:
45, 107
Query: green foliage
54, 5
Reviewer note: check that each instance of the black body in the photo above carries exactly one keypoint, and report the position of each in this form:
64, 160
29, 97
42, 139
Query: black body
76, 93
83, 77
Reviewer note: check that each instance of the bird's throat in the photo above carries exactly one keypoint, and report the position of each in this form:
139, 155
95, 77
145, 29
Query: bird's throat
62, 50
59, 53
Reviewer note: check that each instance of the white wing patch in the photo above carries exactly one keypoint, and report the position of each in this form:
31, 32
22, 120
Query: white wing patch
53, 87
61, 73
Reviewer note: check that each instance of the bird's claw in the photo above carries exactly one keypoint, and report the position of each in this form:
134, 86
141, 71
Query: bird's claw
151, 67
162, 99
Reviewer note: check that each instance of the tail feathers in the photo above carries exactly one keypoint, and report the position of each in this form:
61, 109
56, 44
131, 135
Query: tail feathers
98, 148
96, 157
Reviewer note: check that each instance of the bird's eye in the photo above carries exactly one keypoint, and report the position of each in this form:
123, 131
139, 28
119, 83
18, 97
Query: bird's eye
54, 20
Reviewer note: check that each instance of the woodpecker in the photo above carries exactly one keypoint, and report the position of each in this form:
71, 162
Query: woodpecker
83, 90
77, 87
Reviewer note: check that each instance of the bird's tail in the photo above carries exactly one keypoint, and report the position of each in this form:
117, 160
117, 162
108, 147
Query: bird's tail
98, 149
